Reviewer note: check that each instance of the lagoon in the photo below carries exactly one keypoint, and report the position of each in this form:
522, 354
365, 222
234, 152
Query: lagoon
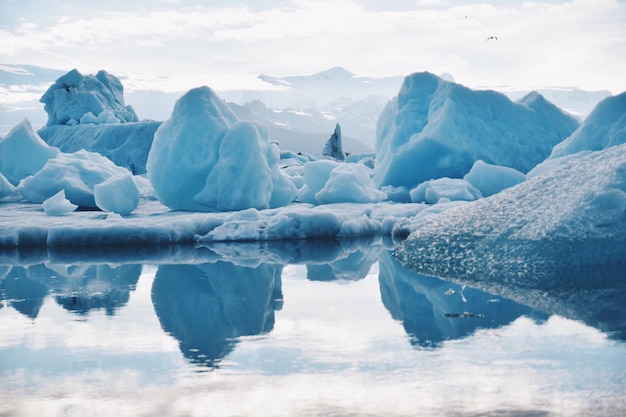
293, 328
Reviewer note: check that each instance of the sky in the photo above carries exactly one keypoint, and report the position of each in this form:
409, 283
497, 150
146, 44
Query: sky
180, 44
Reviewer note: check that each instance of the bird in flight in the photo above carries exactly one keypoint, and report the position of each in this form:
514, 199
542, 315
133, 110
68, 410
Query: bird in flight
495, 38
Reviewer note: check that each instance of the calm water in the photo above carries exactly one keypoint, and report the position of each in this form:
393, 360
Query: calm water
295, 328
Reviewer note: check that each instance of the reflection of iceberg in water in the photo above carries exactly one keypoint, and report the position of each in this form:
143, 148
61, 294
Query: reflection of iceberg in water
351, 264
205, 307
79, 289
432, 310
22, 292
92, 287
325, 259
556, 277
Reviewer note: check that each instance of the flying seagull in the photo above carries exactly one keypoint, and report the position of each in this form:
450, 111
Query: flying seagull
491, 37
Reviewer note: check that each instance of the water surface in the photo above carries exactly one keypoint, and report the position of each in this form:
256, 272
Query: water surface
294, 328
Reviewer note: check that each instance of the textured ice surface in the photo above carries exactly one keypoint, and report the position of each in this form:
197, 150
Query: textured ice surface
74, 95
204, 159
435, 128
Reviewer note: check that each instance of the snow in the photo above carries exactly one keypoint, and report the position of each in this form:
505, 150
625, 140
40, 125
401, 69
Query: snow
23, 153
73, 95
435, 128
204, 159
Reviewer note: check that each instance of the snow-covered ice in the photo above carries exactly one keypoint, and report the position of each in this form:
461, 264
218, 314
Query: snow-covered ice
435, 128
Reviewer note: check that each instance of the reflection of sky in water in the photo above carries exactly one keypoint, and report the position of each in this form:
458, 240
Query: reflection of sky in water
331, 348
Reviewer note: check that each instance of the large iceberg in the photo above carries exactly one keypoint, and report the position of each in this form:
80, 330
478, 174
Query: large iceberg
604, 127
88, 112
435, 128
204, 159
126, 144
555, 242
582, 201
98, 99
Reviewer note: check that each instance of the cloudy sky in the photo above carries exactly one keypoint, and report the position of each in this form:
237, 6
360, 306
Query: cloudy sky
226, 44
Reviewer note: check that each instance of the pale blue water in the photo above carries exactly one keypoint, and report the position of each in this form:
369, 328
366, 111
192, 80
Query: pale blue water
290, 329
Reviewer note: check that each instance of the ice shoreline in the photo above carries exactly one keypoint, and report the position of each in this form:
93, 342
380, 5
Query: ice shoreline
26, 225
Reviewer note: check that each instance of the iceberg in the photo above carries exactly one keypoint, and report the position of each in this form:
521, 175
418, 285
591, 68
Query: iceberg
333, 147
604, 127
76, 173
436, 128
117, 194
204, 159
126, 144
88, 112
491, 179
23, 153
74, 95
444, 190
58, 205
544, 235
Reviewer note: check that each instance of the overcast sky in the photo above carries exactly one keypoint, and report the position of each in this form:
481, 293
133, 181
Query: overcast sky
226, 44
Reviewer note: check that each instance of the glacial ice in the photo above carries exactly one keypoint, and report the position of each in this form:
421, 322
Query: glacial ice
435, 128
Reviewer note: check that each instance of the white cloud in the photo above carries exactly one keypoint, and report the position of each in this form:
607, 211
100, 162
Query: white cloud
560, 43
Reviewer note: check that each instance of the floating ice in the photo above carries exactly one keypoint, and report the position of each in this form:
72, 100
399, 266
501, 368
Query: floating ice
23, 153
333, 147
491, 179
76, 173
6, 188
349, 183
572, 215
73, 95
443, 190
117, 194
436, 129
204, 159
58, 205
126, 144
604, 127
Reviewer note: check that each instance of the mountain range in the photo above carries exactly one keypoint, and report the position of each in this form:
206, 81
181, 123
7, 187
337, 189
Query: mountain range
300, 108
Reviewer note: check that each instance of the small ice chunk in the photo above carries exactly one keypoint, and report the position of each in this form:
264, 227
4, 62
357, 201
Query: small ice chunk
117, 194
491, 179
58, 205
444, 190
